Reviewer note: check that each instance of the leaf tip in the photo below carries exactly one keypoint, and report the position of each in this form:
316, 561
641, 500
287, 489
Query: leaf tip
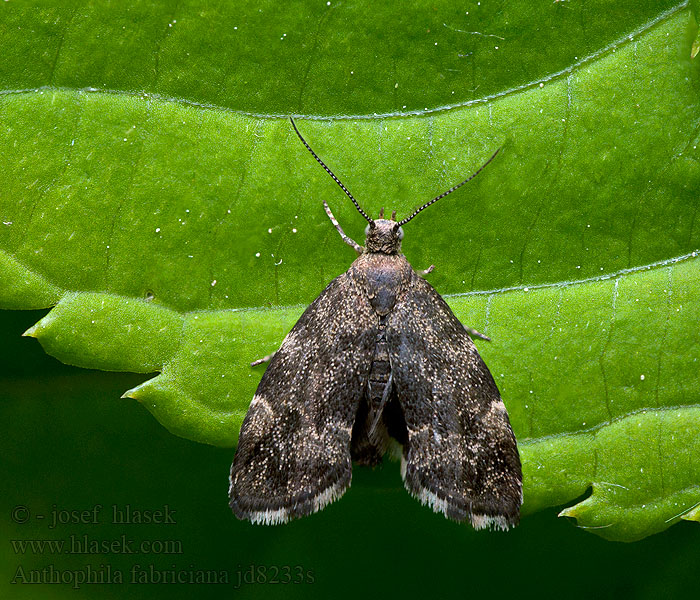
569, 511
132, 394
692, 515
32, 331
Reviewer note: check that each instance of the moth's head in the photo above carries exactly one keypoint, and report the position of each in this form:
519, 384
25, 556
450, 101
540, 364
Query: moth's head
383, 235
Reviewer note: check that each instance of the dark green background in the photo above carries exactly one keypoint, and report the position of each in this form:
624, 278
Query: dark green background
69, 440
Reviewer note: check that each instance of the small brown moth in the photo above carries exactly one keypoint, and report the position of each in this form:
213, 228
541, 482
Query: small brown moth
378, 356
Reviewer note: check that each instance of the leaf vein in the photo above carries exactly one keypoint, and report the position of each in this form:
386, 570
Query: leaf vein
338, 117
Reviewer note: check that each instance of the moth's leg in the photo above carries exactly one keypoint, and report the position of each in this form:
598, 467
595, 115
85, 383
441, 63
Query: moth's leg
474, 333
264, 359
426, 271
346, 239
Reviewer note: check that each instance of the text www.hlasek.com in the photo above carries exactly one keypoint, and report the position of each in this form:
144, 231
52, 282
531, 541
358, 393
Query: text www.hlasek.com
85, 544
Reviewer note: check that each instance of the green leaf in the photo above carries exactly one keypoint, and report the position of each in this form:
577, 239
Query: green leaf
151, 194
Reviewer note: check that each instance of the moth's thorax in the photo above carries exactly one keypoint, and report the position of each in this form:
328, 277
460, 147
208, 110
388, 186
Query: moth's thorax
385, 237
383, 277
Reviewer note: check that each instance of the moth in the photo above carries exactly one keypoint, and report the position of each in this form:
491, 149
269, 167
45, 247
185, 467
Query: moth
378, 359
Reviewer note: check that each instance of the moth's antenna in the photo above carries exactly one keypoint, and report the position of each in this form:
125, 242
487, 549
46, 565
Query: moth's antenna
320, 162
452, 189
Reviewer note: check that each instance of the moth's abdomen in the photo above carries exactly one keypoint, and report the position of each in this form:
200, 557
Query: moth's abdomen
370, 437
380, 372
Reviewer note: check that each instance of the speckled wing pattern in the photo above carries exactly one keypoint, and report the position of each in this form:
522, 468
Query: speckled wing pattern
461, 456
293, 453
